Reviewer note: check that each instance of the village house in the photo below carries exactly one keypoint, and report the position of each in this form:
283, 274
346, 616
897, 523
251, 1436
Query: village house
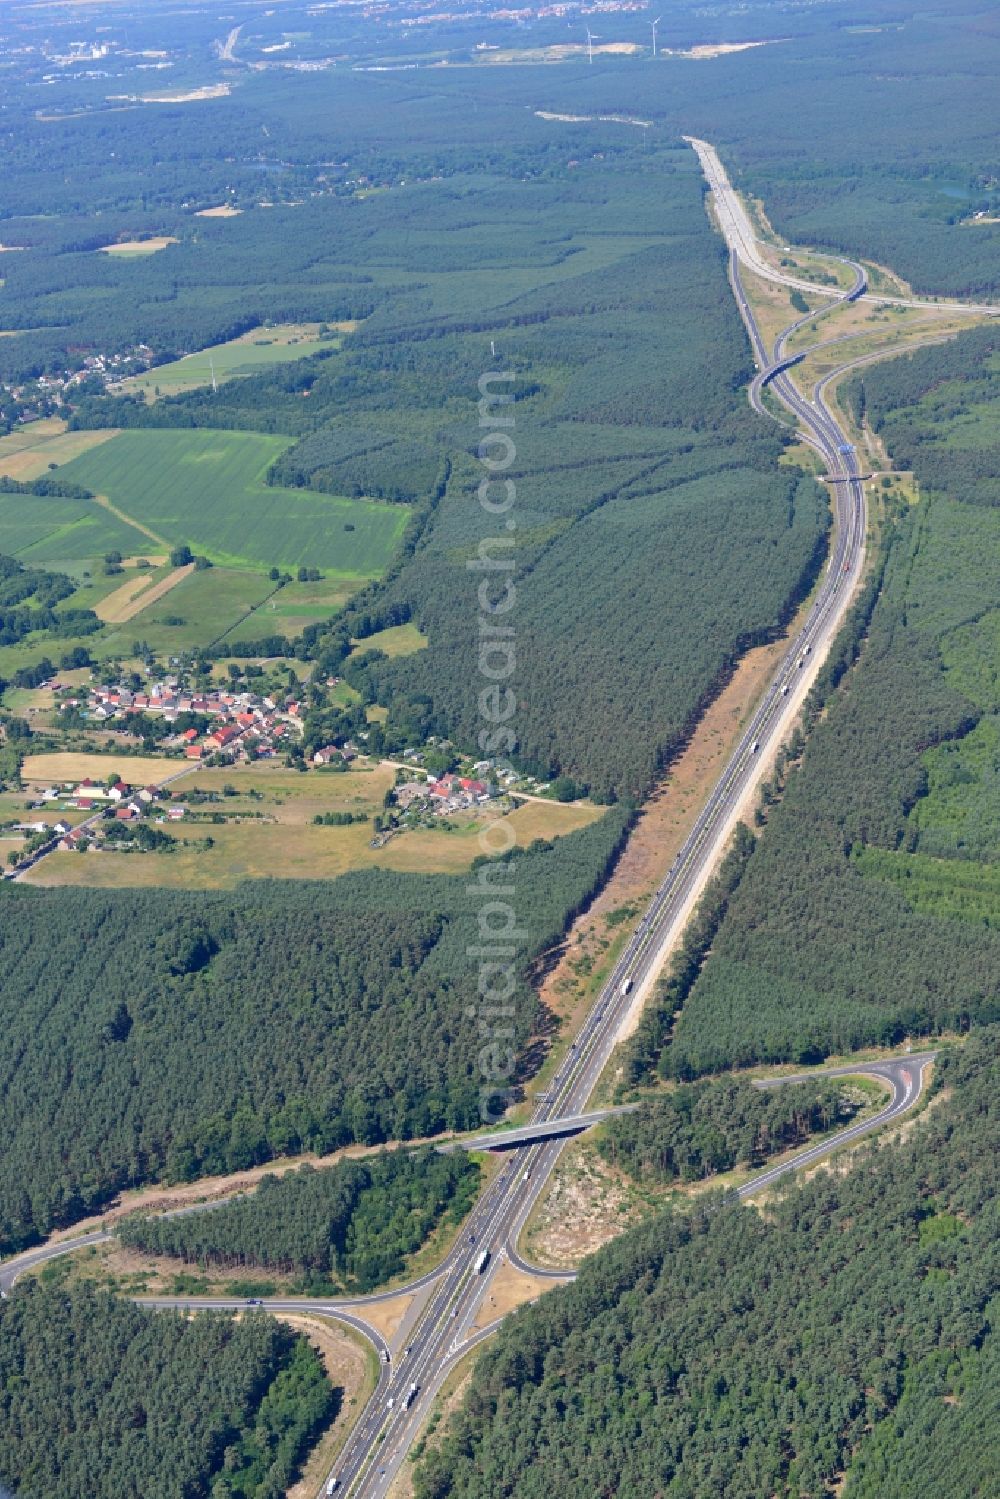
410, 792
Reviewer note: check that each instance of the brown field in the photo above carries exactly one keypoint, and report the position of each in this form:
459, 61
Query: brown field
29, 454
221, 211
134, 595
70, 765
510, 1289
277, 839
127, 247
32, 435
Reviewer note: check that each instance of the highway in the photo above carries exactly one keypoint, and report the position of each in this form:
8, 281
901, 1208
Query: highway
741, 238
447, 1317
379, 1443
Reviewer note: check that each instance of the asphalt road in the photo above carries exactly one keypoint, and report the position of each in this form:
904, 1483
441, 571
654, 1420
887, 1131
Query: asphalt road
740, 236
905, 1076
450, 1299
380, 1442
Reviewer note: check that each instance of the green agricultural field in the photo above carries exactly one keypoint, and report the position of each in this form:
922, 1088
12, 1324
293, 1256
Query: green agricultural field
208, 489
290, 609
207, 605
239, 356
50, 530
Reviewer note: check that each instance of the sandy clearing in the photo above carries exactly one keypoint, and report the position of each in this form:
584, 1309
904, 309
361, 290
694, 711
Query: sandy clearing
585, 1205
386, 1316
722, 49
134, 595
209, 91
510, 1288
140, 246
221, 211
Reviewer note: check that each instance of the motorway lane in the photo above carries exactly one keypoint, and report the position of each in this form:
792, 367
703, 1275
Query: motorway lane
379, 1442
499, 1217
739, 234
444, 1327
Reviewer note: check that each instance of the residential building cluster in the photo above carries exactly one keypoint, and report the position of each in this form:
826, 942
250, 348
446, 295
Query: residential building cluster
439, 795
247, 725
100, 801
46, 395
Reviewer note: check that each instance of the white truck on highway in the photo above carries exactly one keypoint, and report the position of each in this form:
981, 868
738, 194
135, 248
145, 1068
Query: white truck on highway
624, 987
482, 1260
411, 1395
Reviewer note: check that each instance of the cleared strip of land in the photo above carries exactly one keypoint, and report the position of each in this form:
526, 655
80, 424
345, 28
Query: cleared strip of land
136, 594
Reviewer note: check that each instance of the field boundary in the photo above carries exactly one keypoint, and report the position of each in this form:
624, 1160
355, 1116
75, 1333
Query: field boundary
127, 601
105, 504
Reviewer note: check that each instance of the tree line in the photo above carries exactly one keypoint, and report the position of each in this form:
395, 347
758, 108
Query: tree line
351, 1226
701, 1129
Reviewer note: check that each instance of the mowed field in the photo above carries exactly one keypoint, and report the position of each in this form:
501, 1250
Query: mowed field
27, 452
397, 640
208, 489
57, 766
277, 839
290, 609
239, 356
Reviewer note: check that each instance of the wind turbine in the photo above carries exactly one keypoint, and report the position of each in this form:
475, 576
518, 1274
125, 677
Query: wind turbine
655, 24
215, 385
590, 46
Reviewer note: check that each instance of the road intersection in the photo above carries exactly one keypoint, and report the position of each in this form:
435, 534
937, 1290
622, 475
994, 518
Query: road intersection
445, 1319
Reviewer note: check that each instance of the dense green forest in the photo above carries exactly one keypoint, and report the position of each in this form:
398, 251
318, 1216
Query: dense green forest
641, 485
101, 1399
730, 1350
876, 138
700, 1129
162, 1034
353, 1224
552, 239
870, 909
